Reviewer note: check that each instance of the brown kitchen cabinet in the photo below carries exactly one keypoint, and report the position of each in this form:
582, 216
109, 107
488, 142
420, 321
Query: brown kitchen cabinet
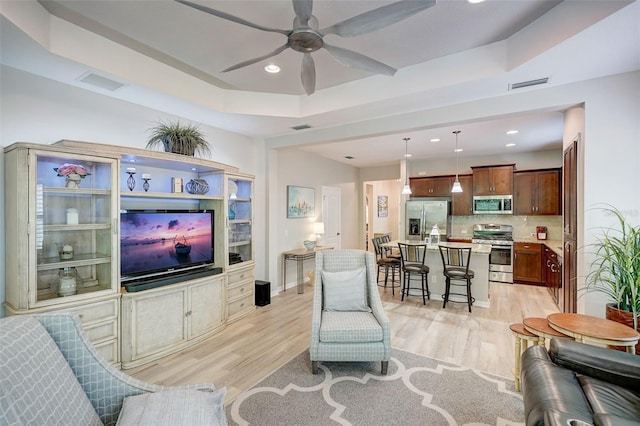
527, 263
537, 192
435, 186
493, 180
552, 267
462, 202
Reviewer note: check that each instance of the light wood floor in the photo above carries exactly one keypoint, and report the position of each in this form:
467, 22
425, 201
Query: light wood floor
251, 348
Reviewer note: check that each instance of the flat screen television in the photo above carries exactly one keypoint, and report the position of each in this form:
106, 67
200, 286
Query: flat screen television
157, 243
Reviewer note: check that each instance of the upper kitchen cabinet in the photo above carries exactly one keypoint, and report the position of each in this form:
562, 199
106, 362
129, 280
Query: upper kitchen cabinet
493, 180
62, 228
437, 186
462, 202
537, 192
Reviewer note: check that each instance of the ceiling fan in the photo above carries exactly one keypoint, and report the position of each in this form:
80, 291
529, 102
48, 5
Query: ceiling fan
306, 37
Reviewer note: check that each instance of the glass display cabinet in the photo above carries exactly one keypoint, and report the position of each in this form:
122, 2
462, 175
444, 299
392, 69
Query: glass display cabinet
240, 217
62, 235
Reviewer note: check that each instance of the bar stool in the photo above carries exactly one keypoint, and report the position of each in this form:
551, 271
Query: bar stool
521, 334
387, 263
541, 328
412, 260
455, 267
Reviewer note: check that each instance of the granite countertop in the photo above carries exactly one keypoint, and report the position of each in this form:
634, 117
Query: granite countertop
555, 245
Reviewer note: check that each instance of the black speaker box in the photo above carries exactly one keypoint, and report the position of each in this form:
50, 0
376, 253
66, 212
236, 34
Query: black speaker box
263, 293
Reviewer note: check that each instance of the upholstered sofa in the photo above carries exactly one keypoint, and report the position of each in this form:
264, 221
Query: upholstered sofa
51, 374
575, 382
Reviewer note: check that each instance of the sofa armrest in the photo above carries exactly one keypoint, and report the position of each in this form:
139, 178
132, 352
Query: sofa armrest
619, 368
549, 387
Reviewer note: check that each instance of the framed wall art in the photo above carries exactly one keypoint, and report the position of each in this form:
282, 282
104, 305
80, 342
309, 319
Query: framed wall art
383, 206
301, 201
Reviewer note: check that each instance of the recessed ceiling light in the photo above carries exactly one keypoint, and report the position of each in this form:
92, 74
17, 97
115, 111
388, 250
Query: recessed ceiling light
510, 145
272, 68
407, 155
434, 140
474, 1
458, 150
512, 132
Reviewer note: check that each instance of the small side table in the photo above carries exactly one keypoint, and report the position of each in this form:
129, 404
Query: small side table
541, 328
585, 329
521, 334
299, 256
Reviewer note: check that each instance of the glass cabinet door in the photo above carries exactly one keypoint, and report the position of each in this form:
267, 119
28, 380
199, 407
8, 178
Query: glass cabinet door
240, 216
74, 236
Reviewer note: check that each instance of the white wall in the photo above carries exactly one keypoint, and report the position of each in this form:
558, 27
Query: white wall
294, 167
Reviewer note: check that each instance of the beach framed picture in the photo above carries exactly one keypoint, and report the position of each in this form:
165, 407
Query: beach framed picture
301, 201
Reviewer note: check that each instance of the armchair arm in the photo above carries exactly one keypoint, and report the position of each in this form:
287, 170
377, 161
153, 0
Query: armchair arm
611, 366
105, 386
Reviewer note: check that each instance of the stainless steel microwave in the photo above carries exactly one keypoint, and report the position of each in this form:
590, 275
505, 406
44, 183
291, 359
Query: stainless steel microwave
493, 204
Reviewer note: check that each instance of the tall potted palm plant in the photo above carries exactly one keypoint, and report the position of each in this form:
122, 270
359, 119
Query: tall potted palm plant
615, 270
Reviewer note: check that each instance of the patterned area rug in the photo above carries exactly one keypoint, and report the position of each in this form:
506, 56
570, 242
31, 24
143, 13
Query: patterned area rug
416, 391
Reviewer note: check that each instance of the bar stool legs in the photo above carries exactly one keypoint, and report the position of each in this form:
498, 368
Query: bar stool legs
523, 337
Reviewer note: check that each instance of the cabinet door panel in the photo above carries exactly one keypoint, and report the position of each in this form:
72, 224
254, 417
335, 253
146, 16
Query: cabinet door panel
527, 263
482, 182
548, 193
462, 202
158, 322
207, 304
502, 178
523, 193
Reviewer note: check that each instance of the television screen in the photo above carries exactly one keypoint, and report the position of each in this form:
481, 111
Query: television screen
156, 242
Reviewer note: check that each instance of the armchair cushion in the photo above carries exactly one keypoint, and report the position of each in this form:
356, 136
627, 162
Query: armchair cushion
37, 386
345, 290
355, 327
173, 407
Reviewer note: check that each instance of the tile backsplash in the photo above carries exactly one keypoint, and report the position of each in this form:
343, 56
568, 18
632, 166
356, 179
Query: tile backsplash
523, 226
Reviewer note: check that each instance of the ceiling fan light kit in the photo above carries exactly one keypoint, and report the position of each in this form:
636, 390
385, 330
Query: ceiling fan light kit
306, 37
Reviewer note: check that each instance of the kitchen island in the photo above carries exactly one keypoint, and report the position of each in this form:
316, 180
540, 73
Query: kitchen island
479, 264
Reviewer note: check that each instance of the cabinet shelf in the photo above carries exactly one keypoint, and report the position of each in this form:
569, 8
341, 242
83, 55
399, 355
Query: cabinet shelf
45, 295
239, 243
171, 195
79, 227
240, 221
78, 260
76, 191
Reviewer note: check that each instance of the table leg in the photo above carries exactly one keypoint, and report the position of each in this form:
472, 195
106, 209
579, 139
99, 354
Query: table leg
300, 276
517, 352
284, 273
631, 349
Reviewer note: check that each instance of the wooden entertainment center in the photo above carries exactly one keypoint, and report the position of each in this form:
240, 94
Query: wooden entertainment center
63, 204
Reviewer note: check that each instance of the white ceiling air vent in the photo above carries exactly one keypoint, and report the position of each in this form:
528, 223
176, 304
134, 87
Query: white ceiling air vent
101, 82
301, 127
529, 83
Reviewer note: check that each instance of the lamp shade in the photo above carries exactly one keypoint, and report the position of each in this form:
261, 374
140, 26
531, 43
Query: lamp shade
406, 190
456, 186
318, 227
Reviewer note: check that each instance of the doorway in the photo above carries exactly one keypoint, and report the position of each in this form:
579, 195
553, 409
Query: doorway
331, 217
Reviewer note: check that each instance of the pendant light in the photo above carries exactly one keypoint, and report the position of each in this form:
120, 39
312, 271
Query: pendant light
406, 190
456, 185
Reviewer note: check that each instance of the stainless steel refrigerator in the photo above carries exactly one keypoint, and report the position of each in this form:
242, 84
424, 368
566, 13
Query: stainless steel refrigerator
422, 214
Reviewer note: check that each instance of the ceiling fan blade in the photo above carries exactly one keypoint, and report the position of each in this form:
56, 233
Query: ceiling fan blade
232, 18
352, 59
303, 9
308, 74
258, 59
378, 18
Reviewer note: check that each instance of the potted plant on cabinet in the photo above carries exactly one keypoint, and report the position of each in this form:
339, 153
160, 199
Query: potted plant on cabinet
178, 138
615, 270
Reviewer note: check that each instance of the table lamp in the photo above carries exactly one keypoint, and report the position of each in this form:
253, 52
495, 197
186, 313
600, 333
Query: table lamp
318, 229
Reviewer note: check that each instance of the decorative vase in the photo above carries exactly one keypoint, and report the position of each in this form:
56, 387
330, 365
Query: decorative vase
73, 180
232, 214
623, 317
67, 281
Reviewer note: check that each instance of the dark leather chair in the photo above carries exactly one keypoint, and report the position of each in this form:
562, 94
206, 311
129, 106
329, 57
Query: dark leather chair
580, 382
455, 268
412, 258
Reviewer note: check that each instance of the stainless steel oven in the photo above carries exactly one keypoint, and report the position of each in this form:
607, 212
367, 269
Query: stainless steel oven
500, 237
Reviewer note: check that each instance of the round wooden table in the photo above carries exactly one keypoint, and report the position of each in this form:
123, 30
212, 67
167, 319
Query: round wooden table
541, 328
585, 328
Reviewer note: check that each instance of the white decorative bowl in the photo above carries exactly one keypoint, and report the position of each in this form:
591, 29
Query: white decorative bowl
309, 245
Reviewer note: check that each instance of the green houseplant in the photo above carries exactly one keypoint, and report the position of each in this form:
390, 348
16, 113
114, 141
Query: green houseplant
178, 138
615, 270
